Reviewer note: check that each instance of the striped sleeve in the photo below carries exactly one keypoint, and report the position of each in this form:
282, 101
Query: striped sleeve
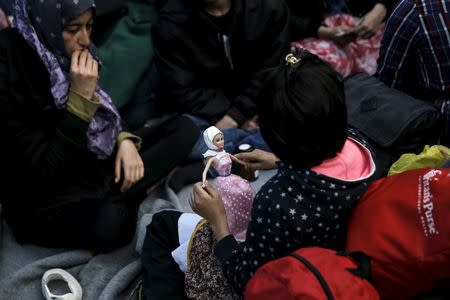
398, 44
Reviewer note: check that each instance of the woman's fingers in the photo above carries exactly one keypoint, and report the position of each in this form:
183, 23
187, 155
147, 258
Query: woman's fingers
126, 179
83, 59
142, 171
74, 60
90, 64
117, 169
94, 67
132, 174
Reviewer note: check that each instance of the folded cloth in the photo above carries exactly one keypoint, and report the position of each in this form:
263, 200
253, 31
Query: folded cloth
187, 224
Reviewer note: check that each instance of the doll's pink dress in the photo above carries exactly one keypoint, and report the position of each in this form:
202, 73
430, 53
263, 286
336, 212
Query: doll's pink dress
237, 196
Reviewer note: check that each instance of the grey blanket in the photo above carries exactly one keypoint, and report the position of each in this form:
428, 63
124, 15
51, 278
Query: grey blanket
106, 277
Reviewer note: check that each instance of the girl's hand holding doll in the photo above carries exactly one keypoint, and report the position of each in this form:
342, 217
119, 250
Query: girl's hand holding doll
207, 202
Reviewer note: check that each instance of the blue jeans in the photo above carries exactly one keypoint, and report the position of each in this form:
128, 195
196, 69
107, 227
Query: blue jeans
233, 138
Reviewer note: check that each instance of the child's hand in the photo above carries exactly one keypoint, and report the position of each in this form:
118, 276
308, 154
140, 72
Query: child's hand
207, 202
258, 160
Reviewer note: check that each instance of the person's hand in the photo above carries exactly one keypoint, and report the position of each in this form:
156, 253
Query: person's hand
83, 73
226, 123
258, 159
130, 161
369, 24
4, 20
206, 202
250, 124
341, 35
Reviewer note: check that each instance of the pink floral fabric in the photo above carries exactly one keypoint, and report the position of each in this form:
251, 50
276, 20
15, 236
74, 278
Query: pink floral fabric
358, 56
237, 196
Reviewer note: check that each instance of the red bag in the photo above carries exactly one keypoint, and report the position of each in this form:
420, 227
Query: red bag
313, 274
403, 224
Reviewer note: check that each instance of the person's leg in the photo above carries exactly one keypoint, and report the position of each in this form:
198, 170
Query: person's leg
163, 148
232, 138
162, 278
186, 175
236, 137
144, 104
109, 222
97, 224
105, 224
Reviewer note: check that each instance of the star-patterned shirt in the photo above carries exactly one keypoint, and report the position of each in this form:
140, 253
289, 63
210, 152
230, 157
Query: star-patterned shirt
296, 208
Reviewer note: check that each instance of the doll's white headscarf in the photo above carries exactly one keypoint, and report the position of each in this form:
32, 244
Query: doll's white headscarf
208, 137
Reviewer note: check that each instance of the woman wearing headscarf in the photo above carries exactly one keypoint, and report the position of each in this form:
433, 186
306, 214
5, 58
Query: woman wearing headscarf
75, 177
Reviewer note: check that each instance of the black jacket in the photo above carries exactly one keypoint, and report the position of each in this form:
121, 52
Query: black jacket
46, 161
202, 74
56, 192
307, 15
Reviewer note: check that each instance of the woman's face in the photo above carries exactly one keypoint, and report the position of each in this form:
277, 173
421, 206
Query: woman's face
77, 33
218, 141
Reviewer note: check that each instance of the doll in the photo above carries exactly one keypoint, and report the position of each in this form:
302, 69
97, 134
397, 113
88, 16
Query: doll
236, 192
204, 278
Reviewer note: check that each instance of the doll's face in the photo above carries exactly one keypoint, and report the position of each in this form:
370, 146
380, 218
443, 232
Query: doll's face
218, 141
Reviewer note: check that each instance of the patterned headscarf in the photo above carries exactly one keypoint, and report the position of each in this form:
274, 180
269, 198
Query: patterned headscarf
41, 23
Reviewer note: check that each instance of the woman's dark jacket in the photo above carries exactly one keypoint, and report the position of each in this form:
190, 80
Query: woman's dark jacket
201, 73
46, 162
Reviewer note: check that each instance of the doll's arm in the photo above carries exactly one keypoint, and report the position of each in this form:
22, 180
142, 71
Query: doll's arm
205, 171
237, 160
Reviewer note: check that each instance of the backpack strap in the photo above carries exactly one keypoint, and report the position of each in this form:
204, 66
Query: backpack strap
362, 261
316, 273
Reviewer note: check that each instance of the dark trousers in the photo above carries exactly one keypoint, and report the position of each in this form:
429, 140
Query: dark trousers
107, 222
162, 278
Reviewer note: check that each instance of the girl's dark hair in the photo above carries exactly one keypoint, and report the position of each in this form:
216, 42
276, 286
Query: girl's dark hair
302, 111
